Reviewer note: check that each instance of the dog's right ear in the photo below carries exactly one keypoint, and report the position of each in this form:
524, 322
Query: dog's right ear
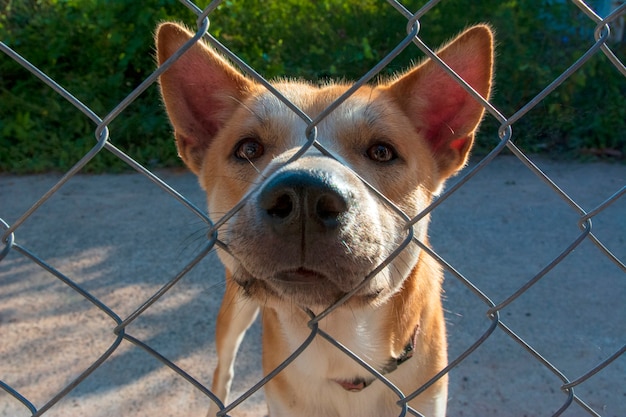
443, 112
200, 91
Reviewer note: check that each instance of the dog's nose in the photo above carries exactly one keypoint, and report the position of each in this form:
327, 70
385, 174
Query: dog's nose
304, 200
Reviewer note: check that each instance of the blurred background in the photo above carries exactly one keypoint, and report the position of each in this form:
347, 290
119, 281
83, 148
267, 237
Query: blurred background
100, 50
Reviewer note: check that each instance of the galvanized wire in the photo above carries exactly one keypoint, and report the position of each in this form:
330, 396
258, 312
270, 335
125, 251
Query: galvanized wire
505, 140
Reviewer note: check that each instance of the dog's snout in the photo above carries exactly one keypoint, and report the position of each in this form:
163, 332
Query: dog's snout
295, 201
330, 205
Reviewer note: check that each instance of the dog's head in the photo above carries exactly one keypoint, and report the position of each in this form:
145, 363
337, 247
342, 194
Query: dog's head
313, 229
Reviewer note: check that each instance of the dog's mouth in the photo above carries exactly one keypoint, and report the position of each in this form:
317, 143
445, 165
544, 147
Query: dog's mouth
300, 276
304, 286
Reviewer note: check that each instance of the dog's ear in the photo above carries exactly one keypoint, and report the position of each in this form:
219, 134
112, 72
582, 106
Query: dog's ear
439, 108
200, 91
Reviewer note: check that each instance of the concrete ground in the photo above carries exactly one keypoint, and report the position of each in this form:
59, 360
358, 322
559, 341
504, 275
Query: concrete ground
121, 238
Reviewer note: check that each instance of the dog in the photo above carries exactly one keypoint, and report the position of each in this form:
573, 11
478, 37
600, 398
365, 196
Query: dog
313, 226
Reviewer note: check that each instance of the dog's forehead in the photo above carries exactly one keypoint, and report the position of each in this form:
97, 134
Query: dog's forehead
313, 101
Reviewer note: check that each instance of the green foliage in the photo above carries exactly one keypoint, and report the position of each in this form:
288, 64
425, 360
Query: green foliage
101, 50
310, 40
98, 51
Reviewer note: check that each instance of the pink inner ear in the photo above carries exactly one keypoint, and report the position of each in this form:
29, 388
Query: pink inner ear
447, 118
452, 112
459, 144
442, 111
200, 91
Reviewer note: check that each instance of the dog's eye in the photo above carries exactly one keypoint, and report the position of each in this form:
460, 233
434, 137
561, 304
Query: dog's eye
382, 152
249, 149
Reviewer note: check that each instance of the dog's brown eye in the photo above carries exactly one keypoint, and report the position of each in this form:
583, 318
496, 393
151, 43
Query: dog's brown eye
249, 149
381, 152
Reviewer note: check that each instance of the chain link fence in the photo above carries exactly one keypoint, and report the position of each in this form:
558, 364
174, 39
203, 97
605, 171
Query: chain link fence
115, 335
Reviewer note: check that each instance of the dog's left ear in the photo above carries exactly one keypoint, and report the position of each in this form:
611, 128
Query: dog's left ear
439, 108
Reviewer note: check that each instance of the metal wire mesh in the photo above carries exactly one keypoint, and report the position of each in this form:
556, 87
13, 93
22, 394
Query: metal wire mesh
572, 402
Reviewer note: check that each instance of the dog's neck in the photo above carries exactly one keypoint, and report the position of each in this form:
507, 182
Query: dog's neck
376, 335
385, 336
358, 384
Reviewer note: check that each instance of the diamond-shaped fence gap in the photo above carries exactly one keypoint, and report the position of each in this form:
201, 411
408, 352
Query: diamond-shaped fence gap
581, 337
591, 129
489, 383
514, 224
125, 127
141, 375
605, 209
100, 243
464, 314
181, 233
53, 330
353, 48
31, 114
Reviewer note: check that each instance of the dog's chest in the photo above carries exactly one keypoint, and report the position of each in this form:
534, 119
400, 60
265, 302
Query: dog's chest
364, 334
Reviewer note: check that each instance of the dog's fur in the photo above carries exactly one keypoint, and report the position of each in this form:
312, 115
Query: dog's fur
310, 231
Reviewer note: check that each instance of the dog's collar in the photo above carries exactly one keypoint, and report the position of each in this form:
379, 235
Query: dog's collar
358, 384
405, 355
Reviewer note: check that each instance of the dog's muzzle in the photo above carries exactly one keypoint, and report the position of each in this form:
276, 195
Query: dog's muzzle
311, 233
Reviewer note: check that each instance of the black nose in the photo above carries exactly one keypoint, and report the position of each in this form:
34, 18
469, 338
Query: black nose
303, 200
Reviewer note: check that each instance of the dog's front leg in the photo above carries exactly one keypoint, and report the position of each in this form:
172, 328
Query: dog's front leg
236, 315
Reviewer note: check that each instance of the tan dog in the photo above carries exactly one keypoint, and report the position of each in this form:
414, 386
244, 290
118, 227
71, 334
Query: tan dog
311, 231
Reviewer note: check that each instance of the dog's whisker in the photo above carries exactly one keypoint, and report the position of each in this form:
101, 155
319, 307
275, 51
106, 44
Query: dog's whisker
255, 167
254, 181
